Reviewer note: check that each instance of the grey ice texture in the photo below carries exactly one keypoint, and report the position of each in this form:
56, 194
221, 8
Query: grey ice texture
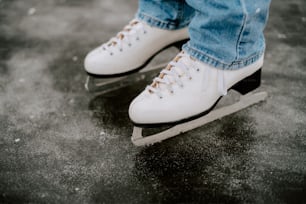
60, 144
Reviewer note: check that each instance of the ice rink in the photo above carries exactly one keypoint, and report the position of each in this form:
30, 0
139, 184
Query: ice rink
61, 144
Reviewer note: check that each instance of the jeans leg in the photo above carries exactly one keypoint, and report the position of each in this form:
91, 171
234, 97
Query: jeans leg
165, 14
227, 34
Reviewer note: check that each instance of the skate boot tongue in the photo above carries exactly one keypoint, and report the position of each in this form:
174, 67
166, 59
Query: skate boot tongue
122, 34
130, 31
171, 75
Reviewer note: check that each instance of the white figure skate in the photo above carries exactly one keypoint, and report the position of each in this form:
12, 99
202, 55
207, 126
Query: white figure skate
129, 53
185, 94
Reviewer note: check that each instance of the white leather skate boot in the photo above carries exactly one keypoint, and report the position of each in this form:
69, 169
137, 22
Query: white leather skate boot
187, 89
131, 49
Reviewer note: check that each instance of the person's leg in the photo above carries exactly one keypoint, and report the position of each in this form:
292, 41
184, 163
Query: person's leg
158, 25
165, 14
227, 34
225, 52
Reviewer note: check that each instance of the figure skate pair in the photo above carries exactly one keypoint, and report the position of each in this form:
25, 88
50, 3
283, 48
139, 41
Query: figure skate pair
185, 93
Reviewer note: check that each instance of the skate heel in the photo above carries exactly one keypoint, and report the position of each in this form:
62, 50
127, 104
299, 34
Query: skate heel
248, 84
179, 44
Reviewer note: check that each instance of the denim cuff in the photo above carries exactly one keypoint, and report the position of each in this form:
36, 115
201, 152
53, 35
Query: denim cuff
217, 63
155, 22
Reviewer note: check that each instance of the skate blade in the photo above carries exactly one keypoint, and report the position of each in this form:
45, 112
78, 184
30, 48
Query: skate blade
105, 85
245, 101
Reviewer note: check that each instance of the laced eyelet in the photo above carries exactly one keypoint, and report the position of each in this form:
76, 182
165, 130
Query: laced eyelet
121, 50
137, 39
161, 97
190, 78
145, 32
111, 54
129, 44
198, 70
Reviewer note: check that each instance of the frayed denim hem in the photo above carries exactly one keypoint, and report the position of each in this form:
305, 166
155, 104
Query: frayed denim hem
154, 22
213, 61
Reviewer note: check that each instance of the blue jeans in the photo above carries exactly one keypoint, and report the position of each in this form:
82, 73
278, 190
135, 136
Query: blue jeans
227, 34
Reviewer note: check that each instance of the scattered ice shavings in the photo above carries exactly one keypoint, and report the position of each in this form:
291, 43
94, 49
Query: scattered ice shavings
21, 80
257, 10
31, 11
71, 101
77, 189
281, 36
17, 140
102, 133
75, 58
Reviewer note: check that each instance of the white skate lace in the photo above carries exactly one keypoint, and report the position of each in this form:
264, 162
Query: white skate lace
124, 37
174, 73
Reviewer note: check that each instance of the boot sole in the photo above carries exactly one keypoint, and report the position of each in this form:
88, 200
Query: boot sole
244, 86
177, 44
